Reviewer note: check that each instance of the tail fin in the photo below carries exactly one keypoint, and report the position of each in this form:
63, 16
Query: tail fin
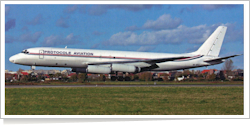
213, 44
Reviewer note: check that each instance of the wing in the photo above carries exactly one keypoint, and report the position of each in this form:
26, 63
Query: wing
220, 58
149, 61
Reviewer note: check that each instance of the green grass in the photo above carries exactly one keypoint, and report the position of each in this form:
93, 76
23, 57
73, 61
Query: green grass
124, 101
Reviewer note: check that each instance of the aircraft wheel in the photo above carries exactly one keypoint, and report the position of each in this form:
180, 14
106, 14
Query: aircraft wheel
127, 78
113, 78
120, 78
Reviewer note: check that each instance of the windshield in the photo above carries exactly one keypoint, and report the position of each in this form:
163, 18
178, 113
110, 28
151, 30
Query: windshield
25, 51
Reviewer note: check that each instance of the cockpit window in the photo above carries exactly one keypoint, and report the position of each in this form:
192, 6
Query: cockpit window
25, 51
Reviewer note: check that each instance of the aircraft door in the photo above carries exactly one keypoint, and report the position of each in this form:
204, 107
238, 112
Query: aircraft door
100, 57
41, 54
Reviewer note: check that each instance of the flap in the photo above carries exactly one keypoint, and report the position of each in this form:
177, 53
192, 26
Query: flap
221, 58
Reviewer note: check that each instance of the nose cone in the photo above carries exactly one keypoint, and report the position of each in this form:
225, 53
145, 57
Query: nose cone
12, 59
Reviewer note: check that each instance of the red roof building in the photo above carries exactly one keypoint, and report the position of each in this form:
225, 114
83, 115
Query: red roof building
209, 71
25, 73
46, 75
71, 74
204, 71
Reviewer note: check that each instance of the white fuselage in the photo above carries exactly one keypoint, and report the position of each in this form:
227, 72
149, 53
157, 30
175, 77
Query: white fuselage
105, 61
79, 58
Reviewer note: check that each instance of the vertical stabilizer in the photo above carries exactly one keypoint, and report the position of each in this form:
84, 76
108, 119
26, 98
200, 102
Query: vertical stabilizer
213, 44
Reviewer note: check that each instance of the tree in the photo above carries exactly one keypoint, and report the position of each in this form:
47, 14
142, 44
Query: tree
64, 78
212, 77
104, 78
146, 76
222, 77
51, 75
228, 65
100, 77
136, 77
40, 77
73, 78
186, 73
81, 77
24, 79
57, 74
19, 70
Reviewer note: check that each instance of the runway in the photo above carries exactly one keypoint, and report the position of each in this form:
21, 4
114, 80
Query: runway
73, 86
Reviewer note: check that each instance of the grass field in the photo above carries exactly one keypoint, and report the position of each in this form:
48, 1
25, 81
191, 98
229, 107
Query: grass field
125, 101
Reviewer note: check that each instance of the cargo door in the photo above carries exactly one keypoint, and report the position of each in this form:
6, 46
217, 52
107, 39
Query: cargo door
41, 54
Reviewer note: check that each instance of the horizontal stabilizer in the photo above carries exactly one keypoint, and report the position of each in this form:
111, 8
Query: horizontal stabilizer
150, 61
221, 58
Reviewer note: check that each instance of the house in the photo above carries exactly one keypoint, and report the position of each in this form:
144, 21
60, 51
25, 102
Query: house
71, 74
209, 71
11, 77
24, 73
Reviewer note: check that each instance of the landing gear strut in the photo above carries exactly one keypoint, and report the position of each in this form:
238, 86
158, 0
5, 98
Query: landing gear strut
113, 78
120, 78
33, 68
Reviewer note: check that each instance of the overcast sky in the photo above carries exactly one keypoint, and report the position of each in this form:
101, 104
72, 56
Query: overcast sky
150, 28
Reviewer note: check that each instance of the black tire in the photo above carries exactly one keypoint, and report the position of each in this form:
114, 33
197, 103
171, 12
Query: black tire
127, 78
120, 78
160, 79
113, 78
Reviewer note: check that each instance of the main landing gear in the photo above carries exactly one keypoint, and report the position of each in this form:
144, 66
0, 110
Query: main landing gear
120, 78
113, 78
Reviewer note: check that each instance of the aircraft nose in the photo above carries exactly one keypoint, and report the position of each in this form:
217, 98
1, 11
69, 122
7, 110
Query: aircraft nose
12, 59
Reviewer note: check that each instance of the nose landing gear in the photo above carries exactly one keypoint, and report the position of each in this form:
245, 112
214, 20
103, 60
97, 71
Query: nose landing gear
33, 68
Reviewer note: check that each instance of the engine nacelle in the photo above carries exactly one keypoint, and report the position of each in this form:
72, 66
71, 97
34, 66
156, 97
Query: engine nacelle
125, 68
93, 69
108, 70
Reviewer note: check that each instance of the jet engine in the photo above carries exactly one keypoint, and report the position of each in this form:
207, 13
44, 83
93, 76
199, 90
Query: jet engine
108, 69
125, 68
93, 69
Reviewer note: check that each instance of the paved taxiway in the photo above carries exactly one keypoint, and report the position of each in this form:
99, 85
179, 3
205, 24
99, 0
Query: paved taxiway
56, 86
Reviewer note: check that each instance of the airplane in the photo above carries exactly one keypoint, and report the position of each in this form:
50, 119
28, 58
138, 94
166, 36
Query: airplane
111, 62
